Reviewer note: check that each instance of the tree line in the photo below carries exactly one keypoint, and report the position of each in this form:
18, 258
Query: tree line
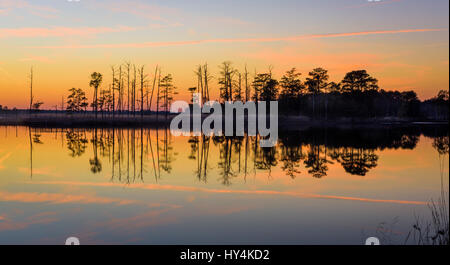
356, 95
132, 91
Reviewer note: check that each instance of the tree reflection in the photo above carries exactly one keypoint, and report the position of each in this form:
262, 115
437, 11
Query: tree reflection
132, 154
96, 165
358, 161
315, 163
76, 143
226, 171
441, 144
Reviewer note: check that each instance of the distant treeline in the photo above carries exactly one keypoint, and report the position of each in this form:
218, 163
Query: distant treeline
358, 95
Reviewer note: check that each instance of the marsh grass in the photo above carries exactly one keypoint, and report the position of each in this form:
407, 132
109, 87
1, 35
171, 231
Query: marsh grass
433, 231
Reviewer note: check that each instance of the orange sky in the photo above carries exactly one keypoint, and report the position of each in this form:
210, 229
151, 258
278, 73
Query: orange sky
402, 43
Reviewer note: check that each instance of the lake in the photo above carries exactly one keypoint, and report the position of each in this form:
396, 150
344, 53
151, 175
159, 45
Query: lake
145, 186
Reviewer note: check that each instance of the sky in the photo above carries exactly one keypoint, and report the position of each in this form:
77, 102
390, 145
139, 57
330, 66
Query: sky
403, 43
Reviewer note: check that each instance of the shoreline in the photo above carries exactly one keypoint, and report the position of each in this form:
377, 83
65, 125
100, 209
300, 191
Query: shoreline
285, 122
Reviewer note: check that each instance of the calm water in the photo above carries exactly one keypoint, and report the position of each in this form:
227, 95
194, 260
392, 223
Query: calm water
142, 186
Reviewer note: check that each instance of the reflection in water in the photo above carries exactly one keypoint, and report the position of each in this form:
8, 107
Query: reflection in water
441, 144
137, 152
144, 185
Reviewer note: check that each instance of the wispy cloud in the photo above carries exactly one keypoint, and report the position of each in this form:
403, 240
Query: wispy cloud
4, 12
228, 191
60, 31
41, 59
235, 40
57, 198
39, 10
40, 218
44, 171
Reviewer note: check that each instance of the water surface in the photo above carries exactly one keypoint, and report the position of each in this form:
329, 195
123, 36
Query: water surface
144, 186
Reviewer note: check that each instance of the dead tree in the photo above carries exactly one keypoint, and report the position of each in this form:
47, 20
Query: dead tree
247, 91
142, 82
31, 89
113, 89
127, 67
153, 87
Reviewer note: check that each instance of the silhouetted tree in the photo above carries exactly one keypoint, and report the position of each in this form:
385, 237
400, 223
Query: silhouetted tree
226, 80
266, 88
291, 84
291, 89
359, 80
192, 91
76, 101
96, 80
143, 80
37, 105
334, 87
167, 92
317, 83
31, 89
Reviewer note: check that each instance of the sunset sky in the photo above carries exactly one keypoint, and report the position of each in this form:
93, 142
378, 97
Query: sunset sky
403, 43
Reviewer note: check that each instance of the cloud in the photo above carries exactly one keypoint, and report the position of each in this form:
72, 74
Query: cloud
4, 12
45, 171
60, 31
307, 59
57, 198
227, 191
38, 10
247, 40
40, 218
42, 59
142, 220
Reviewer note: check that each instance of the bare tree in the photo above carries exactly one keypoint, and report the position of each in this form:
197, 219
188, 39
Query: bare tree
226, 81
153, 87
158, 95
119, 89
207, 77
127, 67
113, 88
142, 80
133, 96
238, 90
247, 90
31, 88
199, 73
